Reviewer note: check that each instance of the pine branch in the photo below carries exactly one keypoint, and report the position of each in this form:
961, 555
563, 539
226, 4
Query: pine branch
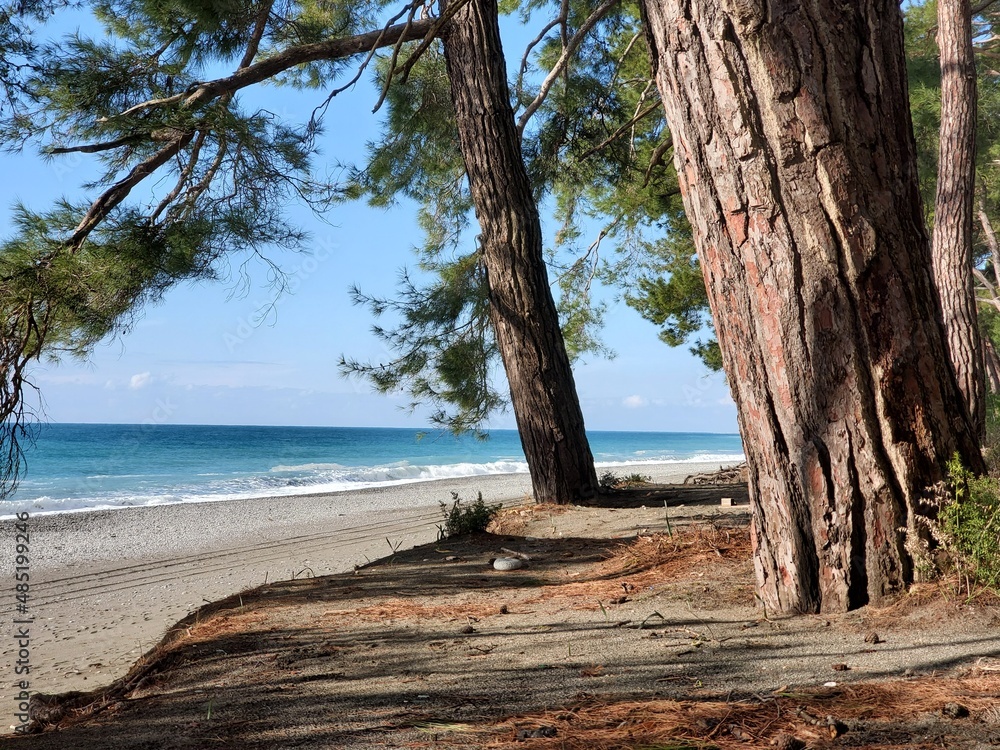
120, 190
253, 46
93, 148
184, 175
657, 158
990, 288
432, 33
621, 131
194, 192
150, 104
395, 56
621, 59
361, 68
519, 86
258, 33
331, 49
568, 51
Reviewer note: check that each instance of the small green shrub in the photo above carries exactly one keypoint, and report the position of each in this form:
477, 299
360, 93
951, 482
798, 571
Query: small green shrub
470, 518
608, 480
969, 525
636, 480
611, 481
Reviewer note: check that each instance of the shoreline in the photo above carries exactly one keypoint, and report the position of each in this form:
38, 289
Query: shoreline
116, 533
107, 584
663, 467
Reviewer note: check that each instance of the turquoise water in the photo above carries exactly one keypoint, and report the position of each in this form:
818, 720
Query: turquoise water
80, 466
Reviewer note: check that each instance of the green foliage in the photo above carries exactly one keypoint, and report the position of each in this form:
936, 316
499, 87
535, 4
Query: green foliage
221, 176
19, 22
472, 518
608, 480
589, 155
611, 481
969, 526
446, 351
445, 343
599, 145
416, 157
677, 301
81, 297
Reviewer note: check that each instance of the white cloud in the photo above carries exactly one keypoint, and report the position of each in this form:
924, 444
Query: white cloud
634, 402
139, 380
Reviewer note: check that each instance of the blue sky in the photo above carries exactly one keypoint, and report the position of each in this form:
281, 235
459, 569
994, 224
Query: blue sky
208, 355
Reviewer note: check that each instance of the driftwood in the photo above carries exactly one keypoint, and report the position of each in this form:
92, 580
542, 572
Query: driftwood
730, 475
515, 553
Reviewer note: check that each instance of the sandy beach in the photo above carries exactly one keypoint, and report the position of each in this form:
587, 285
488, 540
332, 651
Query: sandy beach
106, 585
631, 623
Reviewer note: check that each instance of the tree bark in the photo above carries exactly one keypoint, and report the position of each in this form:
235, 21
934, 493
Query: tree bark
953, 205
523, 312
992, 368
796, 160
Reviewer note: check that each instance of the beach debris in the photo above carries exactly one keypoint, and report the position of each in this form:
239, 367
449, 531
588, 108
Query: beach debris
787, 742
437, 727
955, 710
740, 734
642, 624
507, 563
515, 553
45, 709
503, 609
833, 727
730, 475
467, 630
727, 502
873, 637
840, 667
536, 733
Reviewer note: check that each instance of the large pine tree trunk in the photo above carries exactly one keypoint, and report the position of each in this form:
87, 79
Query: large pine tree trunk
543, 394
796, 159
953, 205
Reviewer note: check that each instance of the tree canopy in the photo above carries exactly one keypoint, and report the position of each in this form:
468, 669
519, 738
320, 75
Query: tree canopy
147, 98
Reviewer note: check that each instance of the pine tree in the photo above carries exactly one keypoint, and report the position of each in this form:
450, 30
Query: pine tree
951, 242
799, 174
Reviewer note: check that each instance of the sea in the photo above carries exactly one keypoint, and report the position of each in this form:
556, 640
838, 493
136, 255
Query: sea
76, 467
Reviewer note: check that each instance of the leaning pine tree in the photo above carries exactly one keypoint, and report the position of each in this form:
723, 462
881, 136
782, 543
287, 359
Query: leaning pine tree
543, 393
795, 155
